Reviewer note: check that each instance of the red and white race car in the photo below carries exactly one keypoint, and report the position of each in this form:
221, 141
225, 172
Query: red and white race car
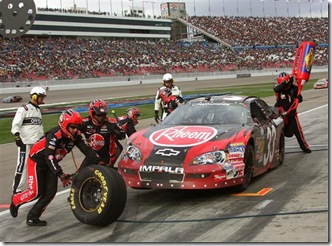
208, 142
321, 84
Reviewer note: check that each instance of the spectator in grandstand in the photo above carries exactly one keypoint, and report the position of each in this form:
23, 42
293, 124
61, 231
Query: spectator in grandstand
160, 99
27, 127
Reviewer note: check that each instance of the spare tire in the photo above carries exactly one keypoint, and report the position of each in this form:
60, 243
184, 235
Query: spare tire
98, 195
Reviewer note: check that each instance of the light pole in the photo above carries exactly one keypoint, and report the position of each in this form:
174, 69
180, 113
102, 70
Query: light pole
194, 7
121, 8
209, 9
152, 6
263, 8
111, 7
132, 7
250, 9
237, 7
223, 7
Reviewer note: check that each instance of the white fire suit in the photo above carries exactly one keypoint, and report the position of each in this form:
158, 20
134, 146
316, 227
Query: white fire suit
28, 123
176, 91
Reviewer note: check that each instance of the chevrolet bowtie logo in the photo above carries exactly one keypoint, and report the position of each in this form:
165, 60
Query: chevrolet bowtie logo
167, 152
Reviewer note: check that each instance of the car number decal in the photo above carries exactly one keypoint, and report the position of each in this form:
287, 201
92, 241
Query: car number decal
271, 139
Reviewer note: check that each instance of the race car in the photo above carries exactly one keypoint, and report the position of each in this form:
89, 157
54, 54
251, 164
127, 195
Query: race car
214, 141
321, 84
12, 99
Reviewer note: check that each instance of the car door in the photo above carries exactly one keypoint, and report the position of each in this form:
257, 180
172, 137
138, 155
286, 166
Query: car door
264, 135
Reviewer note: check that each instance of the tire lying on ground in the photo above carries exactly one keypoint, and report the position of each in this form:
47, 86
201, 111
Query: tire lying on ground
98, 195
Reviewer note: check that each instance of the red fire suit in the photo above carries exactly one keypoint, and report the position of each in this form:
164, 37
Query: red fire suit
43, 169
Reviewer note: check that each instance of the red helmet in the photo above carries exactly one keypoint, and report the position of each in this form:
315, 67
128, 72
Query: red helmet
98, 107
133, 114
283, 77
164, 93
67, 118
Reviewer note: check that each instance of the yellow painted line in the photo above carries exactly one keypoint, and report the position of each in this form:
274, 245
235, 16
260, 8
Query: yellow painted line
262, 192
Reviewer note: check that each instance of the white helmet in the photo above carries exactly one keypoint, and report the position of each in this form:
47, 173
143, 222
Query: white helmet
38, 91
167, 77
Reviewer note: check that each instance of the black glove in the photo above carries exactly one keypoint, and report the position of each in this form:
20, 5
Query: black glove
300, 98
65, 179
284, 84
156, 116
18, 140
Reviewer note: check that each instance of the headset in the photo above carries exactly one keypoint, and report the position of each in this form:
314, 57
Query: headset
34, 97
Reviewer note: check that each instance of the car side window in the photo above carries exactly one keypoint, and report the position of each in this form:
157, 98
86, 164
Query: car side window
257, 112
266, 109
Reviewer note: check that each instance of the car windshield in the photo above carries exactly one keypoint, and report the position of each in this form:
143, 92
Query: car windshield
207, 114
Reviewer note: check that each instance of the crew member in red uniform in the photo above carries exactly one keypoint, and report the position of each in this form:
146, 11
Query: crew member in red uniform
286, 93
43, 167
101, 133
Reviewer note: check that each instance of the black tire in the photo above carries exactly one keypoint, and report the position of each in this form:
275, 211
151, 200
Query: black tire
281, 154
248, 169
98, 195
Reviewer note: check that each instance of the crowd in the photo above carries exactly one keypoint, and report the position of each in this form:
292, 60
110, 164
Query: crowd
70, 58
249, 31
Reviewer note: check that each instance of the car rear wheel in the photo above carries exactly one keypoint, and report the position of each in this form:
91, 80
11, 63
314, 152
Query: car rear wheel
248, 169
98, 195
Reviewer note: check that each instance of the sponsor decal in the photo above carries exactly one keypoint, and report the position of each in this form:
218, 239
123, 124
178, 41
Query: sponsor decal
60, 154
236, 149
173, 7
237, 144
219, 177
164, 8
30, 182
96, 141
235, 155
167, 152
183, 136
161, 169
209, 103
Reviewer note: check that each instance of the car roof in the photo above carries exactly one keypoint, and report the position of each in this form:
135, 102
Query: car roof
222, 98
321, 80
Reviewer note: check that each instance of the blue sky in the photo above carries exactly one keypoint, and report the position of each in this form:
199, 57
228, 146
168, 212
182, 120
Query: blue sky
303, 8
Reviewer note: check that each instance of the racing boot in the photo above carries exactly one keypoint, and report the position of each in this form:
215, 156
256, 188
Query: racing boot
306, 150
36, 222
13, 210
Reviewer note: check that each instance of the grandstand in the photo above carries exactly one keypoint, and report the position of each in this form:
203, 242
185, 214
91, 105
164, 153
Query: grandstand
66, 45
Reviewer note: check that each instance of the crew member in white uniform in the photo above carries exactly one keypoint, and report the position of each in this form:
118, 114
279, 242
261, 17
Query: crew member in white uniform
27, 128
168, 82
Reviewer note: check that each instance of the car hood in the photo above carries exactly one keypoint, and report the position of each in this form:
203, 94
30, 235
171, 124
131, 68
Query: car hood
175, 145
